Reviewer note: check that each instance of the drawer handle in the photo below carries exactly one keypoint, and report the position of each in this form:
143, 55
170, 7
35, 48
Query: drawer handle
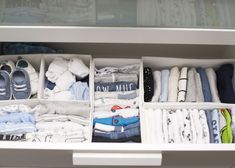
120, 159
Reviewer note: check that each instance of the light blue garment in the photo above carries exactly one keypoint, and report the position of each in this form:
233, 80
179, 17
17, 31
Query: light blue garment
17, 118
19, 128
80, 91
216, 126
205, 85
118, 135
116, 121
164, 85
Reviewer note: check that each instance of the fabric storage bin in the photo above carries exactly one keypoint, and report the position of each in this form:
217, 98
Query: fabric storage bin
153, 136
35, 60
159, 63
47, 115
48, 58
100, 63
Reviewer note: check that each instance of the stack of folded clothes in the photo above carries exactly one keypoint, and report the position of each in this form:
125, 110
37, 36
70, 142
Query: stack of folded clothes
55, 124
67, 80
116, 116
190, 84
16, 121
18, 81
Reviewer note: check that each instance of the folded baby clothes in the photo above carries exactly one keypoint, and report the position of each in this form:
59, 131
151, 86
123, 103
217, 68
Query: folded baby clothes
105, 101
191, 95
80, 91
165, 126
205, 85
12, 137
57, 67
224, 83
148, 84
118, 95
16, 108
110, 107
108, 128
164, 85
200, 96
216, 126
127, 69
59, 95
117, 77
130, 139
196, 127
186, 131
173, 84
78, 68
225, 126
213, 84
118, 135
173, 127
17, 118
233, 122
116, 121
210, 126
182, 84
205, 128
17, 128
157, 86
115, 86
125, 113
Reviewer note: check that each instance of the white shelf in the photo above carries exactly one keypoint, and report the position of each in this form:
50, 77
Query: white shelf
117, 35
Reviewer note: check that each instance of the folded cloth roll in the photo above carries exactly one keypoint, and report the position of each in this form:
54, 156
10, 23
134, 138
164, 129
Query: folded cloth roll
57, 67
65, 81
157, 86
164, 85
115, 86
148, 84
224, 83
205, 85
118, 95
118, 135
80, 91
225, 126
117, 77
209, 122
78, 68
109, 128
200, 96
17, 118
191, 95
173, 84
213, 84
182, 85
205, 131
116, 121
164, 126
216, 126
105, 101
125, 113
126, 69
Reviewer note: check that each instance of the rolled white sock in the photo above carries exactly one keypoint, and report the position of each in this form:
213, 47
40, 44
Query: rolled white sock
57, 67
65, 81
78, 68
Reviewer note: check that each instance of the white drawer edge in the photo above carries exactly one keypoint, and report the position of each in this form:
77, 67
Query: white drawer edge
120, 159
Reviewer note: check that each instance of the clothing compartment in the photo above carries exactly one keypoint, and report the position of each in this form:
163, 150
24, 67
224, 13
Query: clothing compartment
116, 100
19, 76
66, 77
188, 125
188, 80
44, 121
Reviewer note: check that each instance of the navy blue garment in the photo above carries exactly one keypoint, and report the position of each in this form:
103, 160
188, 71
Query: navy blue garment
27, 48
102, 139
148, 84
224, 83
205, 85
118, 135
